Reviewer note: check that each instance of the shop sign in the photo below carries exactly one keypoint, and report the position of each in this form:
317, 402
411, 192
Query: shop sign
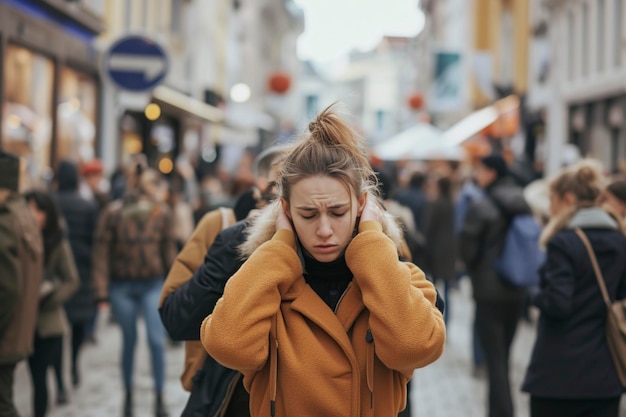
136, 63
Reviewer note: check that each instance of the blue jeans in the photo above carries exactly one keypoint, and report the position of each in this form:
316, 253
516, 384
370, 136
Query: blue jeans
128, 299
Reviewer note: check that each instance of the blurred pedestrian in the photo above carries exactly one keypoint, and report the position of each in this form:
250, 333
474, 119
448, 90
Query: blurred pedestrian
95, 186
81, 218
323, 318
439, 230
571, 371
133, 250
414, 198
615, 197
186, 302
60, 281
498, 305
21, 267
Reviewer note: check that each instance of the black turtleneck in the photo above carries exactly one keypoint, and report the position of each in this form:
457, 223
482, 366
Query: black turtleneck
328, 279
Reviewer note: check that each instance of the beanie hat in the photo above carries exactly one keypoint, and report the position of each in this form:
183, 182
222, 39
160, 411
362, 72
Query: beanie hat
495, 162
9, 171
92, 167
618, 189
67, 176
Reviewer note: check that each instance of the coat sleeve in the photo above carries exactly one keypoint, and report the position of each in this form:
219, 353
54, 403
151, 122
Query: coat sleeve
184, 310
408, 329
470, 242
236, 334
191, 256
168, 241
555, 297
100, 256
9, 275
65, 277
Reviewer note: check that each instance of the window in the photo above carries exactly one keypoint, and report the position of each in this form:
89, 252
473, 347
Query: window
27, 111
584, 55
600, 35
76, 116
617, 33
571, 41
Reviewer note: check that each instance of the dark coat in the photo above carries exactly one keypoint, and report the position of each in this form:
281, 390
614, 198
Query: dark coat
183, 311
81, 219
441, 239
415, 199
482, 239
571, 358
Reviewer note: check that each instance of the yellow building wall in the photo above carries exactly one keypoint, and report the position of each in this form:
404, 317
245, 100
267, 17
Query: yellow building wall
488, 28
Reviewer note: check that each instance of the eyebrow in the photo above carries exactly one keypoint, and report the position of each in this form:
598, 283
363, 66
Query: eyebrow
333, 207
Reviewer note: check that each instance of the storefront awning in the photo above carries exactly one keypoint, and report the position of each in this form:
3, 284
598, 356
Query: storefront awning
187, 104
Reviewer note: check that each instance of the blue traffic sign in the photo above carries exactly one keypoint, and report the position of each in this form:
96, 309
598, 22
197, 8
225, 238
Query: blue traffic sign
136, 63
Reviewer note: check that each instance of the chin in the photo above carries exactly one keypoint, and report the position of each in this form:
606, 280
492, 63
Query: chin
326, 257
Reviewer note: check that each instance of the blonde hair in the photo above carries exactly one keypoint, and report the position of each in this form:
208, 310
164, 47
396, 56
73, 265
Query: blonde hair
584, 180
330, 148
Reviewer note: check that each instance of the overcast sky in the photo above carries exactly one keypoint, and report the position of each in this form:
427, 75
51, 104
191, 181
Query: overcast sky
335, 27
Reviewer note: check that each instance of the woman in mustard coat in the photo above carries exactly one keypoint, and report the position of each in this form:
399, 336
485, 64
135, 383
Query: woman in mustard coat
323, 319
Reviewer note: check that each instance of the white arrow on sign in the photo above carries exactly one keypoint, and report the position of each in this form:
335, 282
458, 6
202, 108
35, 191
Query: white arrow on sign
151, 67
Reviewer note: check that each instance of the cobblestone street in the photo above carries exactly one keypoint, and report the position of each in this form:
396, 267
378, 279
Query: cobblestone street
445, 389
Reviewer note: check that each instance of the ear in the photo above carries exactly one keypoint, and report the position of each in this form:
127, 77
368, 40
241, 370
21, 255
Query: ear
361, 200
285, 205
570, 198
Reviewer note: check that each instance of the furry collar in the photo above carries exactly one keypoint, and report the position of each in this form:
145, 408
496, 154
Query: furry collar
581, 216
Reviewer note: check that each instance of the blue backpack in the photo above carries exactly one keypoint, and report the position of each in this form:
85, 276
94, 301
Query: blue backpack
521, 256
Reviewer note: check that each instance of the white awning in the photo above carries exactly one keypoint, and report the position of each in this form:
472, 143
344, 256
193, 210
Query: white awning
187, 104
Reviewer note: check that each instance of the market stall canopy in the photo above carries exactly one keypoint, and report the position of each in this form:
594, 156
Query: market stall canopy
503, 116
422, 141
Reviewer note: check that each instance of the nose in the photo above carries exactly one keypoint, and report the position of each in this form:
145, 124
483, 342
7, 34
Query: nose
324, 229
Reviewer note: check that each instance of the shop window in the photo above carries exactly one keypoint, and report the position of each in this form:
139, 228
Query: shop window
27, 111
76, 116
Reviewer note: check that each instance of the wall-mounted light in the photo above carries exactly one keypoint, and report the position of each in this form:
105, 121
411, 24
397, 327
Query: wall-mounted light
240, 93
152, 111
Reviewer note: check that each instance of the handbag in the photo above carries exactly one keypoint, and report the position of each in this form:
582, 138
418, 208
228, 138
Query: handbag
616, 316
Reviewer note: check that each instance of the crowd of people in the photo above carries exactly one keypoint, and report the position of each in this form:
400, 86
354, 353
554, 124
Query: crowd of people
320, 289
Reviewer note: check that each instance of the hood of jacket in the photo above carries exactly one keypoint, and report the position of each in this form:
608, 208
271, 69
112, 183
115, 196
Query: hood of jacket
263, 227
67, 176
583, 217
508, 197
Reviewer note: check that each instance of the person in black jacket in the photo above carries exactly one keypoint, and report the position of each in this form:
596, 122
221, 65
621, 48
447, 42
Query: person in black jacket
80, 217
498, 305
571, 371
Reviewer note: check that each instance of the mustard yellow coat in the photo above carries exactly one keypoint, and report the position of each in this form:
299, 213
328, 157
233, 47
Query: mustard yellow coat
353, 362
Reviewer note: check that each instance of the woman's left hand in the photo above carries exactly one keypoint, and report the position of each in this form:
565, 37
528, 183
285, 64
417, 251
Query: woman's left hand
372, 210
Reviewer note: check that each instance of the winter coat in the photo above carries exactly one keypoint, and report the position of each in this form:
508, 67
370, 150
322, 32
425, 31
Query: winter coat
21, 269
134, 242
81, 219
61, 271
186, 263
414, 199
482, 239
439, 230
571, 358
351, 362
184, 309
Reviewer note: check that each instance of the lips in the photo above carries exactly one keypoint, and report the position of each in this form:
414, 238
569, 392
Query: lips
325, 248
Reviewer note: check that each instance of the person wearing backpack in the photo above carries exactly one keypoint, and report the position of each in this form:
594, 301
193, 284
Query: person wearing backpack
133, 250
21, 272
571, 371
498, 304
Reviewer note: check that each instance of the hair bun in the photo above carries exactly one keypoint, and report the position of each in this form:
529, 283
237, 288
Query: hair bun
586, 174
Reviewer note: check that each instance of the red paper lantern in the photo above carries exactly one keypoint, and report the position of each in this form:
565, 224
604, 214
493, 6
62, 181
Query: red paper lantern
279, 82
416, 101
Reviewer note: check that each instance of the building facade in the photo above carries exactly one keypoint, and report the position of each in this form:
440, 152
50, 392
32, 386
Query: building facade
50, 84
